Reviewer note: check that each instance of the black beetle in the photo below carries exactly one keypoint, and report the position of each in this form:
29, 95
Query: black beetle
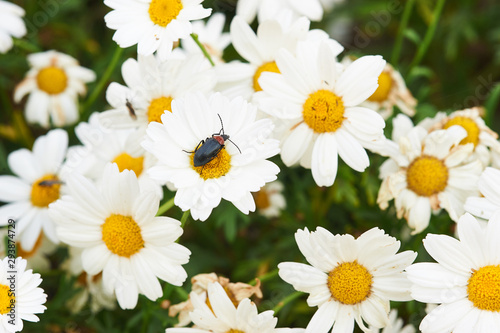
209, 148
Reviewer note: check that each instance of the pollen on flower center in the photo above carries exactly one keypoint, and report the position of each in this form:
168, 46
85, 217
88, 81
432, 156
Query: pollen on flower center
45, 190
384, 88
217, 167
469, 125
122, 235
162, 12
323, 111
350, 283
483, 288
426, 176
52, 80
5, 299
267, 67
127, 162
157, 107
234, 331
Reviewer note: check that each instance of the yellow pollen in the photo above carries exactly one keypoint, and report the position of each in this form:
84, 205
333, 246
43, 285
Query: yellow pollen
162, 12
234, 331
323, 111
52, 80
262, 199
28, 254
157, 107
426, 176
122, 235
267, 67
350, 283
384, 88
127, 162
483, 288
218, 167
45, 190
469, 125
5, 299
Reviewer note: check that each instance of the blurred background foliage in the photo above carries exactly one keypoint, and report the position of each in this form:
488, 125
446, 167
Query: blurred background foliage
449, 63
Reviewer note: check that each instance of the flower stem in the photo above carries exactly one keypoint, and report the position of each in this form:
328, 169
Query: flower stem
491, 104
26, 45
102, 82
429, 34
264, 277
184, 218
287, 300
396, 52
202, 48
165, 207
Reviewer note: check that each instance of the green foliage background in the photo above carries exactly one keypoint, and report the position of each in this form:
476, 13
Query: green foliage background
455, 66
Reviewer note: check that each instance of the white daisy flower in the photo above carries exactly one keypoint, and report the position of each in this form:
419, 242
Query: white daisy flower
217, 314
27, 297
38, 183
391, 91
465, 280
233, 167
154, 25
151, 86
92, 291
395, 325
427, 172
211, 36
488, 184
260, 50
116, 226
53, 82
268, 9
321, 101
270, 200
104, 145
237, 292
485, 140
350, 279
11, 24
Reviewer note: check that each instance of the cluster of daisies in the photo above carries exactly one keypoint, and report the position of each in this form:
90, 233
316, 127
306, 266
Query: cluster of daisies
206, 129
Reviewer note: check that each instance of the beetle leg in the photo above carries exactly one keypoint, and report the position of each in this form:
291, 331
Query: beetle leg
197, 147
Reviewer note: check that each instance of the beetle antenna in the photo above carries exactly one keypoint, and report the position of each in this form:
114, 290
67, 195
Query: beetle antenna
234, 144
221, 124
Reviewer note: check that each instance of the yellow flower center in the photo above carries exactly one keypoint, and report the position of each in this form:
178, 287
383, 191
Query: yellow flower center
45, 190
262, 199
28, 254
5, 299
157, 107
384, 88
469, 125
234, 331
162, 12
267, 67
52, 80
323, 111
217, 167
127, 162
122, 235
426, 176
350, 283
483, 288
